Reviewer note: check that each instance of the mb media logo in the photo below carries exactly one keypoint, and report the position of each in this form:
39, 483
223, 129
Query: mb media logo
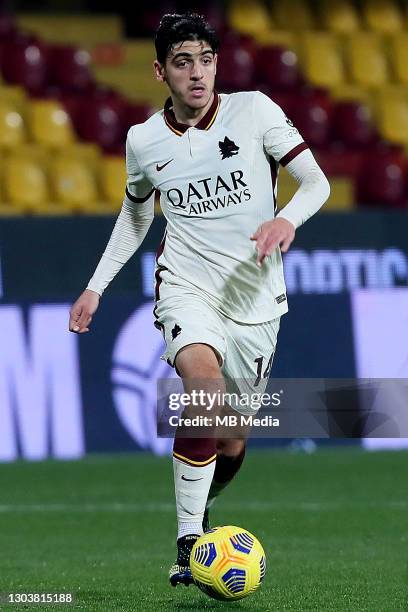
228, 148
136, 366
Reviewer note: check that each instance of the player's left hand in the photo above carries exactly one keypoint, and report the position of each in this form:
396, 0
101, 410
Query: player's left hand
271, 234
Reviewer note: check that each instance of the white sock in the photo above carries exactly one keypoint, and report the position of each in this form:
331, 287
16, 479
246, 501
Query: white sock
191, 484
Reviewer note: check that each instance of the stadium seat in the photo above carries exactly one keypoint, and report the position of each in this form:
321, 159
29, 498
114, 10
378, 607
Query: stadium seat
339, 16
392, 109
14, 96
367, 60
137, 113
350, 92
236, 68
311, 117
353, 125
103, 121
7, 25
386, 185
12, 129
278, 68
50, 124
25, 182
341, 192
382, 15
25, 63
113, 179
293, 15
399, 57
73, 183
322, 59
249, 17
70, 68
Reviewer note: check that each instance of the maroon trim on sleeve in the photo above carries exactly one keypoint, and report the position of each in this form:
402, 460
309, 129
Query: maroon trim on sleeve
293, 153
136, 200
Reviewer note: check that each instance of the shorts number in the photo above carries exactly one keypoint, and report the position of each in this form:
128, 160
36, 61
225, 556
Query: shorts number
259, 375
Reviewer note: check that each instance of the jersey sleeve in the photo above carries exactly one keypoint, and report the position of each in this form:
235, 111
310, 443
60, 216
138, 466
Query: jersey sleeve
138, 188
281, 139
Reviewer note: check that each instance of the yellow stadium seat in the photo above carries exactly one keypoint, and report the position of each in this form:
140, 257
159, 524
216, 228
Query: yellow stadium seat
73, 183
352, 93
367, 60
12, 130
113, 179
86, 152
392, 115
25, 182
341, 192
399, 57
293, 15
14, 96
382, 16
249, 17
50, 124
339, 16
322, 59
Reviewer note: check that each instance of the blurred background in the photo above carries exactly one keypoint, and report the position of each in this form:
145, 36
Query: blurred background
74, 76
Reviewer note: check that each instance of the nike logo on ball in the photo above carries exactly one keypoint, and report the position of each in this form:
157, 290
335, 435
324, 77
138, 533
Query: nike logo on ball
190, 479
160, 168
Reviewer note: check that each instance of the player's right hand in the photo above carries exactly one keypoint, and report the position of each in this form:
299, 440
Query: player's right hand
82, 311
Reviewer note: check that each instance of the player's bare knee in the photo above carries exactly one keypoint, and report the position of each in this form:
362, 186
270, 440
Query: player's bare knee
198, 361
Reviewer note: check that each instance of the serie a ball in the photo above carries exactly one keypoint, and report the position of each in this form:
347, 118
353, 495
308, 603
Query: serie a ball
228, 563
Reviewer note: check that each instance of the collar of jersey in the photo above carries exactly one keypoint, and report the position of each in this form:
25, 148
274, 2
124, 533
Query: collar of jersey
204, 124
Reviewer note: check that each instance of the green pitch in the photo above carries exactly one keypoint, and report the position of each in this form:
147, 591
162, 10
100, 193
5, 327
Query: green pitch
333, 525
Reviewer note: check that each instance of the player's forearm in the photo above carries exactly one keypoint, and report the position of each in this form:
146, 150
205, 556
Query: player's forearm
128, 234
313, 191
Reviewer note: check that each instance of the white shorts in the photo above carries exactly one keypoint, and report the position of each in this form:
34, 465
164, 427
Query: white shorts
245, 351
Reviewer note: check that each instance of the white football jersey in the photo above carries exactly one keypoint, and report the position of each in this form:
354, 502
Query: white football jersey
217, 183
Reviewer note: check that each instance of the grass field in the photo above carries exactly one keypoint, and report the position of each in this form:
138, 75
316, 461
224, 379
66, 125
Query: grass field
333, 524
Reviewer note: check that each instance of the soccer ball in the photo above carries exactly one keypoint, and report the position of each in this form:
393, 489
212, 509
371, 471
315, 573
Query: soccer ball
228, 563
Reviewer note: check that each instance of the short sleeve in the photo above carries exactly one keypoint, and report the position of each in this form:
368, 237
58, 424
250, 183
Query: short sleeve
281, 139
138, 188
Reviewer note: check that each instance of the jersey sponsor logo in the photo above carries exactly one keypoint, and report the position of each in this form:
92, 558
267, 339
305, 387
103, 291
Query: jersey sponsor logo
176, 331
228, 148
160, 168
210, 194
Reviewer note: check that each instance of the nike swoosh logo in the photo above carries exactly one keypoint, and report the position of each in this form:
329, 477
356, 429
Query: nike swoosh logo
160, 168
190, 479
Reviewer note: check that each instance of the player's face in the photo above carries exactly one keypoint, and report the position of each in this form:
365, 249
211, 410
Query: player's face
189, 71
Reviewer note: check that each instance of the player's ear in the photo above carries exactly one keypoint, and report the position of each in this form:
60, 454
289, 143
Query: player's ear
159, 71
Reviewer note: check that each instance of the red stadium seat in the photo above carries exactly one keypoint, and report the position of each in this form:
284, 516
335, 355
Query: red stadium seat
284, 99
278, 68
71, 68
236, 66
381, 180
311, 115
25, 62
352, 124
102, 120
137, 113
7, 26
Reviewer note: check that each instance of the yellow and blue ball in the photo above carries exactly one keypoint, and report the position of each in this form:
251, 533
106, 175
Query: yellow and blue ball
228, 563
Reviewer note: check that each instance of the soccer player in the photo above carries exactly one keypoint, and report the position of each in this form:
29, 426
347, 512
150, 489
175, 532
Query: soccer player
220, 290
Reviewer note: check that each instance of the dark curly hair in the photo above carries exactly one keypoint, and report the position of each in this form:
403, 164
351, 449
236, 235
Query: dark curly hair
174, 28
